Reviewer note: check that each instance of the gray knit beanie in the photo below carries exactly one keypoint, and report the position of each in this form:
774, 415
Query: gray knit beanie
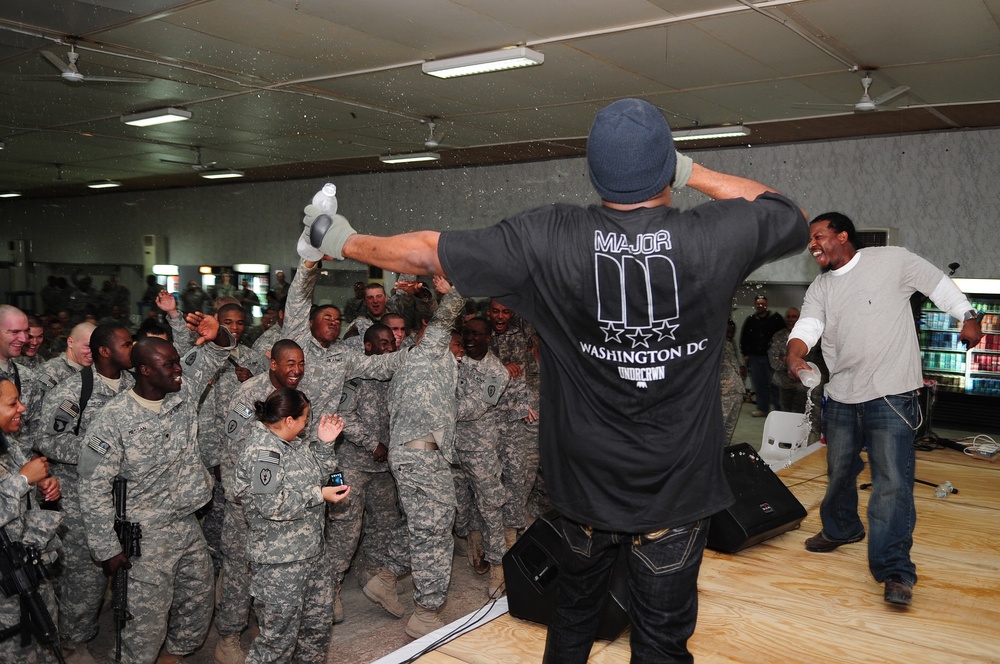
630, 152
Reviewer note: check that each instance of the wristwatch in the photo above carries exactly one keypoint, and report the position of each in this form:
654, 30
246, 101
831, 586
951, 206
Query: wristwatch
972, 313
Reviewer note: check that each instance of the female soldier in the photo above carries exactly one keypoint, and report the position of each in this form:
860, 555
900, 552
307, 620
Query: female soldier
280, 481
18, 475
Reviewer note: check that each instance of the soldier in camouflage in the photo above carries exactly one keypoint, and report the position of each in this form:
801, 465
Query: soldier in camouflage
482, 379
212, 413
362, 457
232, 615
280, 481
147, 436
82, 584
514, 341
35, 528
18, 475
422, 413
29, 384
219, 392
731, 375
329, 364
29, 356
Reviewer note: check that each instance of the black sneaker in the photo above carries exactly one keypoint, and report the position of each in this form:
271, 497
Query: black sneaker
820, 543
898, 591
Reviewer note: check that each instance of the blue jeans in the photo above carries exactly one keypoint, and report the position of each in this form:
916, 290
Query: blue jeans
662, 592
760, 378
886, 426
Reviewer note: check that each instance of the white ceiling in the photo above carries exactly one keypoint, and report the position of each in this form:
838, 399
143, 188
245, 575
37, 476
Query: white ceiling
302, 88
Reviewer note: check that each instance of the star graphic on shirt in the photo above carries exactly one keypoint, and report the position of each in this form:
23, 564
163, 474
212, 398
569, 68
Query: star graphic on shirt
611, 332
639, 338
666, 330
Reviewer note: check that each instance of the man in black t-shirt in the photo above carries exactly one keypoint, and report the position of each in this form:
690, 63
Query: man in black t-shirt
630, 299
755, 339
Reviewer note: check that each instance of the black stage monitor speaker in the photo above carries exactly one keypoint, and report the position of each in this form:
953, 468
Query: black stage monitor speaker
532, 565
764, 506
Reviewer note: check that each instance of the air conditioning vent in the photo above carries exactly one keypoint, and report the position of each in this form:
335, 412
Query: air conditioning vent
878, 237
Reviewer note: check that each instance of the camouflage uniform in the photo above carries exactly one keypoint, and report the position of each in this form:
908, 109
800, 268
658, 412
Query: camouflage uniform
478, 488
373, 498
34, 528
280, 485
233, 612
34, 362
214, 405
212, 413
414, 309
518, 440
422, 407
732, 387
82, 584
31, 392
326, 368
56, 370
170, 584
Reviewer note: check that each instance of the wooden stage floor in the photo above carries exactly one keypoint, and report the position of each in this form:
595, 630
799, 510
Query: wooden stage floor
776, 602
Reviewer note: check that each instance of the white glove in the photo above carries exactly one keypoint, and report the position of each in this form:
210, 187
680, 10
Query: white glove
327, 233
306, 250
682, 171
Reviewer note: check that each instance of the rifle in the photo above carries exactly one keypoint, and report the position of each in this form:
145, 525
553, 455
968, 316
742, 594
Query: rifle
21, 571
129, 535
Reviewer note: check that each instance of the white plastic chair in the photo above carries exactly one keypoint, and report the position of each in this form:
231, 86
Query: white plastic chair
786, 439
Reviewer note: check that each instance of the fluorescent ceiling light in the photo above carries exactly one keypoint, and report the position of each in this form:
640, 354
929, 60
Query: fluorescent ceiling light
222, 174
205, 269
252, 268
706, 133
407, 158
482, 63
156, 116
10, 194
104, 184
978, 286
165, 270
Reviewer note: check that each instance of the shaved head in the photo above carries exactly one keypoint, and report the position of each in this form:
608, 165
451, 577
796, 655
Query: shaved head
144, 350
78, 344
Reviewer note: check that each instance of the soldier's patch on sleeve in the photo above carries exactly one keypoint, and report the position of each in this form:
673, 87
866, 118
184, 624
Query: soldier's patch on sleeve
350, 387
238, 416
64, 417
191, 356
265, 470
492, 389
93, 451
98, 446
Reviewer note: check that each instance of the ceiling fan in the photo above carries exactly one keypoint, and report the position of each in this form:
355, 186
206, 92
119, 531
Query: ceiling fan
197, 165
71, 73
432, 140
866, 103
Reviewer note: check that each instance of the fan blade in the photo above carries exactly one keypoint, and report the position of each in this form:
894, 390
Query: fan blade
117, 79
179, 162
40, 77
54, 59
809, 104
891, 94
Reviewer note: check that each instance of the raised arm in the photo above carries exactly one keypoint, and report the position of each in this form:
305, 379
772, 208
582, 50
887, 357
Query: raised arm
413, 253
722, 186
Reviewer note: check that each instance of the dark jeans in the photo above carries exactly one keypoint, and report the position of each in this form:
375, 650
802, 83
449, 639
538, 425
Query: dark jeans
886, 426
760, 378
662, 598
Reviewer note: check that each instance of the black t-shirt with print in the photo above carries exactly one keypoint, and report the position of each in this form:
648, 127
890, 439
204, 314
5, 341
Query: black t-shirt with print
631, 308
